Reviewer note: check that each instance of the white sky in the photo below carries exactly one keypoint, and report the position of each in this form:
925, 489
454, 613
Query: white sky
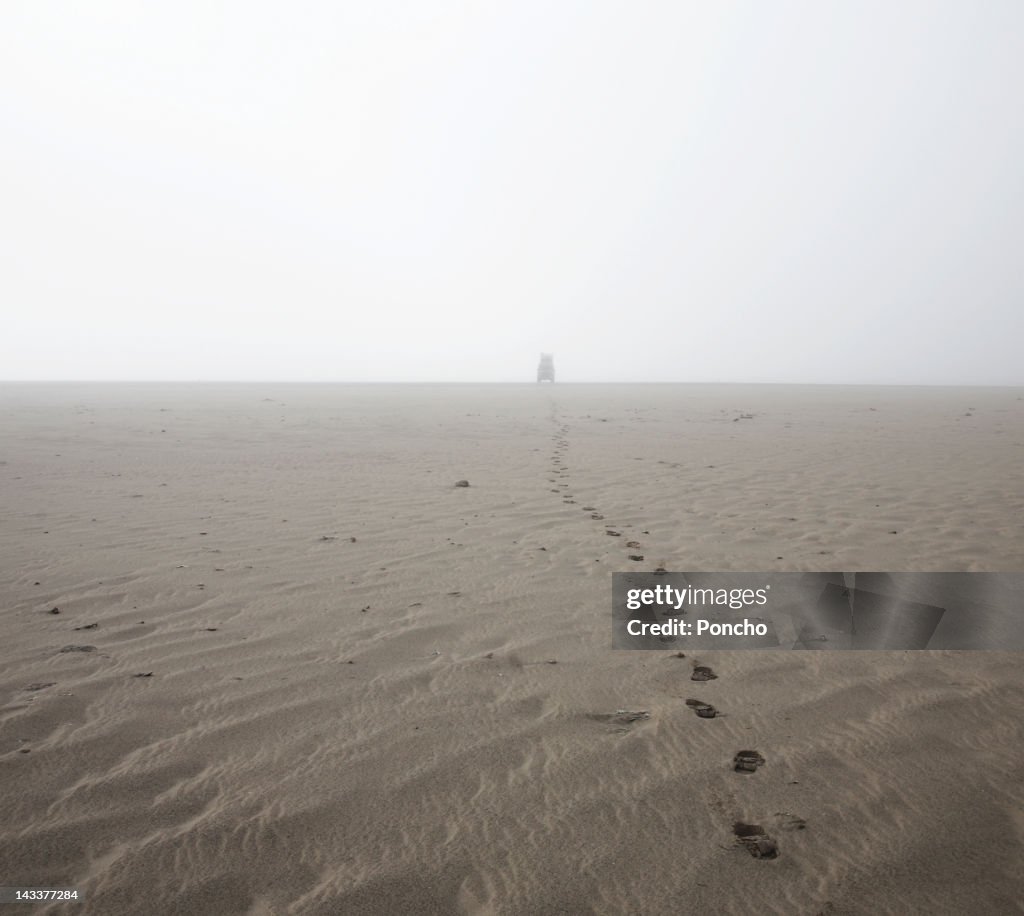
820, 191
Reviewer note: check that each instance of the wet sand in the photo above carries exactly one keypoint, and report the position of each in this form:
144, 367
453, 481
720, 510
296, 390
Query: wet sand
306, 673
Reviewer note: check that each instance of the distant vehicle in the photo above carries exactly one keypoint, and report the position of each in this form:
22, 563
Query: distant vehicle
546, 369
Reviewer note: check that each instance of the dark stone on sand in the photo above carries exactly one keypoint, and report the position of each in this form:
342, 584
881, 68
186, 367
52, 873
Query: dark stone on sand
462, 483
78, 649
703, 673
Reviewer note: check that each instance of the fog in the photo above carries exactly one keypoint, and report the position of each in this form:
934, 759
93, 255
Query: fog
655, 191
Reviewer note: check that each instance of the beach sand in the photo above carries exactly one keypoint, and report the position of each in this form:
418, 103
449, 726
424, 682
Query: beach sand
327, 680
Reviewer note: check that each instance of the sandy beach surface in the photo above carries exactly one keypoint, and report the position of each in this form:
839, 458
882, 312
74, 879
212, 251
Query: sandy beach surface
261, 655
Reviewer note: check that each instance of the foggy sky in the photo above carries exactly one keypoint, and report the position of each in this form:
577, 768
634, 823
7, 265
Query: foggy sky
654, 191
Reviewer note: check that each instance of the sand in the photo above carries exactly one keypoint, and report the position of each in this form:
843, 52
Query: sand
367, 690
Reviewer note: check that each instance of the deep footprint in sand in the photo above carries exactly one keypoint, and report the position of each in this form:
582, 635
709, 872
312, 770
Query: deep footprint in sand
703, 673
747, 761
703, 710
755, 839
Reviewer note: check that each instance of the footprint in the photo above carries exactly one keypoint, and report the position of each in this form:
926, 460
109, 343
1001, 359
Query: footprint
620, 716
597, 517
786, 821
756, 840
747, 761
613, 534
703, 710
703, 673
632, 543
